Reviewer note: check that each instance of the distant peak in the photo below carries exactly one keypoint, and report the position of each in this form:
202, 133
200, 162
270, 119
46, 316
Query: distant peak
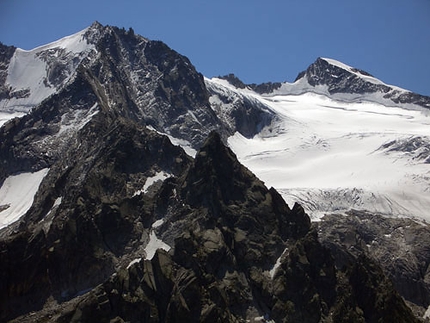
96, 25
341, 78
346, 67
94, 32
261, 88
329, 65
233, 80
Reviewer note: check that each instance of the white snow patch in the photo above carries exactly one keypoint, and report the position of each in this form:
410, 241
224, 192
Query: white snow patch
184, 144
153, 245
26, 73
57, 203
159, 176
6, 116
272, 272
427, 314
157, 223
134, 261
48, 218
17, 194
75, 120
264, 318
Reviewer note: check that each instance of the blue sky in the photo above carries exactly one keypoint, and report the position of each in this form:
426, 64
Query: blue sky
257, 40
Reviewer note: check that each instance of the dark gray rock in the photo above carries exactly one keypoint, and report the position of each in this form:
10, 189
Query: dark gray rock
259, 88
339, 80
400, 246
6, 53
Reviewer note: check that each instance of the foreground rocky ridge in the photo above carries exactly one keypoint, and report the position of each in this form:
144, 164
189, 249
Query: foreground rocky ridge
226, 231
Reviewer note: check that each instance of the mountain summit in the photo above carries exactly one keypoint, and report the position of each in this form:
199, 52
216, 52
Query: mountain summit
337, 78
131, 191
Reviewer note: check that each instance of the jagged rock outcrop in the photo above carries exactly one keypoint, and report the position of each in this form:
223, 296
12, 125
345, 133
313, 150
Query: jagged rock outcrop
340, 80
261, 88
6, 53
88, 216
267, 87
399, 246
417, 148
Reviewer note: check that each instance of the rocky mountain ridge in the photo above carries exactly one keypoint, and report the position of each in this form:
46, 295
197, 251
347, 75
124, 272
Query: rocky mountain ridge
226, 232
126, 226
340, 78
339, 81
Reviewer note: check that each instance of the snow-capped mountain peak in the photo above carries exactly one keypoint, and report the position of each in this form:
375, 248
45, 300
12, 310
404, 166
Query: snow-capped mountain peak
328, 71
360, 73
338, 80
94, 191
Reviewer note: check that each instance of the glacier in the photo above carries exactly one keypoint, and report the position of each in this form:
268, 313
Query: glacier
329, 155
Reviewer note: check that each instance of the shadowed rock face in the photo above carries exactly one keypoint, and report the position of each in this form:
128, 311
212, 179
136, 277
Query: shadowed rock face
100, 220
399, 246
6, 53
226, 231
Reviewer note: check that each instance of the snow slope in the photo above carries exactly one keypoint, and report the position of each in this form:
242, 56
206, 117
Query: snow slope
330, 156
17, 194
36, 74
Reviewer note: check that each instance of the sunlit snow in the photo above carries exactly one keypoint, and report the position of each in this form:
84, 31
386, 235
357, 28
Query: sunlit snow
153, 245
75, 120
6, 116
17, 194
158, 223
272, 272
158, 176
29, 72
427, 314
327, 154
184, 144
134, 261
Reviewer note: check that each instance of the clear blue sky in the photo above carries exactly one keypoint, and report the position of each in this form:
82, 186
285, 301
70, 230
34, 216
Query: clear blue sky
259, 41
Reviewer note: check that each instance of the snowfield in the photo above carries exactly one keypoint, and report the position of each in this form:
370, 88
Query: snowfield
330, 156
17, 194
